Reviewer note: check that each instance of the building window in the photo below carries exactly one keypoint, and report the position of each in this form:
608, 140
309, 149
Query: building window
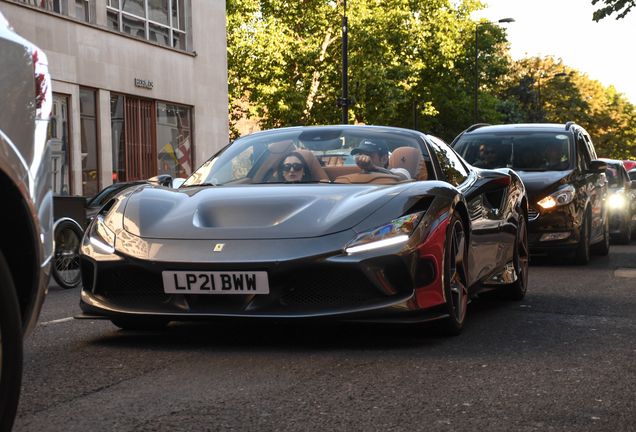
161, 21
118, 137
83, 10
51, 5
61, 154
82, 7
174, 143
88, 130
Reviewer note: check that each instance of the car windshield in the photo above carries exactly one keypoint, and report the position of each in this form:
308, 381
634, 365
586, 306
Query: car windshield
314, 155
522, 151
105, 195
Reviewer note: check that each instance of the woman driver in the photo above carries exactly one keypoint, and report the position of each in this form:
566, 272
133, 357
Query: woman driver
293, 168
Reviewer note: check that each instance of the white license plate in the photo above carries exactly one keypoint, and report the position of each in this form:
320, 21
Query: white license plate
197, 282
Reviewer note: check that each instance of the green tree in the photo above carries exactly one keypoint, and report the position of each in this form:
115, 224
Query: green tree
606, 114
284, 62
612, 6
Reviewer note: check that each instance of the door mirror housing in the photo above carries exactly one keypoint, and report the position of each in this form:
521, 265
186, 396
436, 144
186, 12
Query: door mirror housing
161, 180
597, 166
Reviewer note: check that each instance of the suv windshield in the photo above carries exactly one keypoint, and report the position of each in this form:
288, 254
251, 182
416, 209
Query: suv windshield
531, 151
318, 154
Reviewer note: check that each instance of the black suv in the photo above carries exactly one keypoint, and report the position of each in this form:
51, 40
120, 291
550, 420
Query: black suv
566, 184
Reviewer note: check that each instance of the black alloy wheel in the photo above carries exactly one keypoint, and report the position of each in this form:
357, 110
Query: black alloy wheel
455, 280
582, 255
66, 264
10, 348
516, 290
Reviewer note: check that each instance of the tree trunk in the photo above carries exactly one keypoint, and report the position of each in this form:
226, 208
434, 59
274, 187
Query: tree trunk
315, 79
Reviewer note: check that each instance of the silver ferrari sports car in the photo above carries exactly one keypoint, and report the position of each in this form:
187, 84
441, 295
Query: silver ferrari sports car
350, 223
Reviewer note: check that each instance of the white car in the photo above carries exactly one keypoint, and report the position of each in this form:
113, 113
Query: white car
26, 245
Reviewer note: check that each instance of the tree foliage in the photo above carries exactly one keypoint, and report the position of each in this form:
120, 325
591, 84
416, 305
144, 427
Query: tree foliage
284, 58
622, 7
545, 96
285, 69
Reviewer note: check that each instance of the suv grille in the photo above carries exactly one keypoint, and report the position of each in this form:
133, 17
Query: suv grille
328, 287
131, 286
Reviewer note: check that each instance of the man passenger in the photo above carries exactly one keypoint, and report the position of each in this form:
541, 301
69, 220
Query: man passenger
554, 156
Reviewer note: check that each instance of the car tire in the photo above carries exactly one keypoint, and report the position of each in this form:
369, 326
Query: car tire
582, 254
625, 236
455, 279
602, 248
66, 264
146, 324
517, 290
10, 348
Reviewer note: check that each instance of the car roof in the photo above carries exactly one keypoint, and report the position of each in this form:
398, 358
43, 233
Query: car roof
612, 161
521, 127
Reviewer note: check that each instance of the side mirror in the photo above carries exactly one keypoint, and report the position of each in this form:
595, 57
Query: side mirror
632, 184
490, 181
161, 180
597, 166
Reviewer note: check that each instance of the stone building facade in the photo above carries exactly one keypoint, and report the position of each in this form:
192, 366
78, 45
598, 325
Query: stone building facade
140, 86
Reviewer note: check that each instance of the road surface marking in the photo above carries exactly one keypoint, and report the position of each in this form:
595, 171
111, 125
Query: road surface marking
625, 272
57, 321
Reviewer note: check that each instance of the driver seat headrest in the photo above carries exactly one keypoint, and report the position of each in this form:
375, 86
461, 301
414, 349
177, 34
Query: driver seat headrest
411, 160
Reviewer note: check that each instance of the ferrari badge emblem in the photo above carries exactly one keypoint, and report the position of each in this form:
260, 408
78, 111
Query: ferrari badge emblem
219, 247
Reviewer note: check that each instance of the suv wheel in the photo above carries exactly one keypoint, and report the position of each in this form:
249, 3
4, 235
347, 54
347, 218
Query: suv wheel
602, 248
625, 236
582, 256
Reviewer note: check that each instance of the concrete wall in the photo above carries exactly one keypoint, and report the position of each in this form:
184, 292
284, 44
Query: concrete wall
91, 55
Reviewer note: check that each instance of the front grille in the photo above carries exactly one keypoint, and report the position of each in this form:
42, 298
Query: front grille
328, 287
532, 213
131, 286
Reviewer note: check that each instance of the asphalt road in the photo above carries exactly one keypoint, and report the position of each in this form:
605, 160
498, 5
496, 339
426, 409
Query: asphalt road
562, 359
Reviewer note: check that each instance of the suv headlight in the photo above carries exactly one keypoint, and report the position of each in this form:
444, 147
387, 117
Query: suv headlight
101, 236
563, 196
617, 201
396, 231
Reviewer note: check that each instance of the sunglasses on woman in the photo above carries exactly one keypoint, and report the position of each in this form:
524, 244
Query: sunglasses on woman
296, 166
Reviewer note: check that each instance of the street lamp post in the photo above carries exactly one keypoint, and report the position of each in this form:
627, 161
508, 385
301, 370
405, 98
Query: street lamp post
503, 20
345, 101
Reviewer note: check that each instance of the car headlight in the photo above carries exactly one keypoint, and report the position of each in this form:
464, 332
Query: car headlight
101, 236
561, 197
396, 231
617, 201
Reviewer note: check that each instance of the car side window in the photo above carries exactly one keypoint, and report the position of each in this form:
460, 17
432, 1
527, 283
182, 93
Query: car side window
623, 175
590, 146
583, 156
454, 170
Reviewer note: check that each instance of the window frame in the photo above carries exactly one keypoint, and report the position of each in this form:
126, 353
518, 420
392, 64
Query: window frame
171, 27
98, 160
69, 138
194, 166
